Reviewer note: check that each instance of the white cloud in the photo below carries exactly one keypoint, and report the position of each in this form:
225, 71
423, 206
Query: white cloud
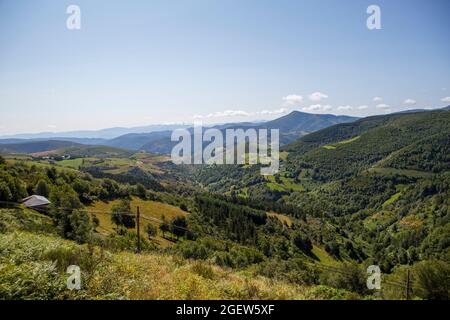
224, 114
317, 107
317, 96
446, 99
314, 107
270, 112
343, 108
410, 102
239, 113
293, 99
363, 107
383, 106
51, 126
377, 99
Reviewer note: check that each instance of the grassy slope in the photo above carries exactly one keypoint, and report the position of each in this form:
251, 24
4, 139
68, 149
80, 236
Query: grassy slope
33, 260
151, 209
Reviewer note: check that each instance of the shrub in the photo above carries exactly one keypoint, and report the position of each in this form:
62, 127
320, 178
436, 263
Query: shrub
193, 250
204, 270
5, 192
121, 214
81, 226
433, 277
42, 188
178, 226
164, 225
140, 191
349, 277
150, 230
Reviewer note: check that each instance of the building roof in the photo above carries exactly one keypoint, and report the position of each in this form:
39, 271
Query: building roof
35, 201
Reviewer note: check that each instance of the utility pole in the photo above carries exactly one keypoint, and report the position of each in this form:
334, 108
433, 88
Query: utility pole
138, 230
407, 285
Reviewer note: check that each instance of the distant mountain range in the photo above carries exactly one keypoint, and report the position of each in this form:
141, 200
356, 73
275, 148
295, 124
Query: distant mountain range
36, 146
108, 133
157, 138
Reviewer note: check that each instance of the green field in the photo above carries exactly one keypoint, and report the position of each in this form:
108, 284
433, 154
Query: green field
344, 142
285, 185
151, 209
392, 199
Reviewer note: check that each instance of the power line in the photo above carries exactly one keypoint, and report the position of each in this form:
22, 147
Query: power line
408, 285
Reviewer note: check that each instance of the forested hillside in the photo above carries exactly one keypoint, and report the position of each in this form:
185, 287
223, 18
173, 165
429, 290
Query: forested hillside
380, 184
372, 192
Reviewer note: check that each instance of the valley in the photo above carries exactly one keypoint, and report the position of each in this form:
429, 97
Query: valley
350, 193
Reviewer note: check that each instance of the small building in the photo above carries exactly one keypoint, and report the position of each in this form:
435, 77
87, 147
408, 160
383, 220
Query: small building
36, 202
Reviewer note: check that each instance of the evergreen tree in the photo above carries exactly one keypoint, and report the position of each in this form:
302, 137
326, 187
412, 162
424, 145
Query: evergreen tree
42, 188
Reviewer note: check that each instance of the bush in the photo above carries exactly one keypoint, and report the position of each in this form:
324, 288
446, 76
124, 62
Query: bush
150, 230
5, 192
178, 226
70, 221
293, 271
164, 225
204, 270
349, 277
193, 250
42, 188
121, 214
140, 191
33, 280
433, 277
81, 226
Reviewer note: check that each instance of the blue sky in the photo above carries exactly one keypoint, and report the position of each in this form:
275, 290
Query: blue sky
145, 62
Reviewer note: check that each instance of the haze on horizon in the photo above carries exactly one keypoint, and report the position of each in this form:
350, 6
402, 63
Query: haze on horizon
216, 61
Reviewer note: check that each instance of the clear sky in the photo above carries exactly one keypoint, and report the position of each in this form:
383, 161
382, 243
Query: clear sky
146, 62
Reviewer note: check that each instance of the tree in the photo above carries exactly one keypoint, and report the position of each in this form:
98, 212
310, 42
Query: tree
141, 192
5, 192
333, 249
2, 160
52, 174
70, 220
81, 226
42, 188
121, 214
164, 225
302, 242
151, 230
178, 226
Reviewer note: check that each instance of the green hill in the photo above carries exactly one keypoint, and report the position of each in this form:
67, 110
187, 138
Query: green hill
377, 138
381, 185
36, 146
